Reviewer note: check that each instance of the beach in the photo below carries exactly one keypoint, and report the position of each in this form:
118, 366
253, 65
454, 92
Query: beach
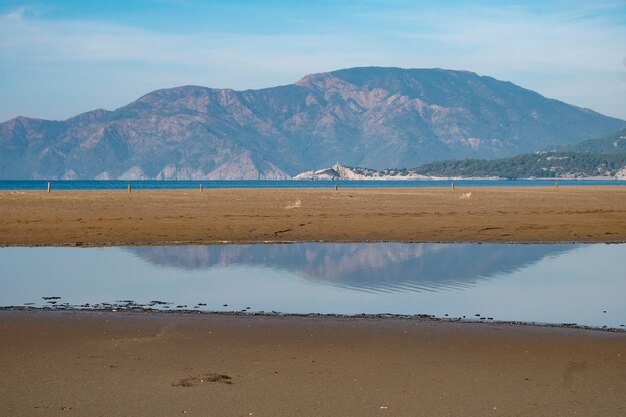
118, 364
114, 363
166, 217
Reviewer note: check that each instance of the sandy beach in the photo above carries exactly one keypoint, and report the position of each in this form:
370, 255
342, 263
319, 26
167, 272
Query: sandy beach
494, 214
120, 364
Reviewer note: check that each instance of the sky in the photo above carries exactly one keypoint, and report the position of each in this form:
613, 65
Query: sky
62, 58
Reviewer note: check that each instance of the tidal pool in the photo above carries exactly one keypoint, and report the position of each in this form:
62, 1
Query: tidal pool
564, 283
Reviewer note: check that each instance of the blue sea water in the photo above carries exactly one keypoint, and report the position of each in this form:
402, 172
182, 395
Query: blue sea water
176, 185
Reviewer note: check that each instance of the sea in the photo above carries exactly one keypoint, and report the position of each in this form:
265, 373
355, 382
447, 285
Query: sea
184, 185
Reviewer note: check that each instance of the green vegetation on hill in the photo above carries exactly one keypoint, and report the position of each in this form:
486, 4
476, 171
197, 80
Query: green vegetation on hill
543, 164
616, 143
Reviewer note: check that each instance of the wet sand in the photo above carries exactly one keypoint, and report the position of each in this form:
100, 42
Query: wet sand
494, 214
120, 364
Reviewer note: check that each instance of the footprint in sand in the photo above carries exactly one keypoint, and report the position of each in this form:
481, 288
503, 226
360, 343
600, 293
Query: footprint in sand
192, 381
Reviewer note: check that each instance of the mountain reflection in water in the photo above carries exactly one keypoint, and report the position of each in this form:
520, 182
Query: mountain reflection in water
371, 266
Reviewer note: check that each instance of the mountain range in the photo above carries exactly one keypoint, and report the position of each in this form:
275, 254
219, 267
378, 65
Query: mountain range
372, 116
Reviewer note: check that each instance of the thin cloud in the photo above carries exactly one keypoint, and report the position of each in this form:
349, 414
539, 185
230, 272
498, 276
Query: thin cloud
571, 53
26, 40
503, 39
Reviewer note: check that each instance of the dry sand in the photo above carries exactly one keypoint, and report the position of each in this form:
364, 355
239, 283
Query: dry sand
494, 214
135, 364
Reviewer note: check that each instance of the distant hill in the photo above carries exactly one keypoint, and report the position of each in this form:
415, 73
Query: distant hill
615, 143
540, 165
535, 165
376, 117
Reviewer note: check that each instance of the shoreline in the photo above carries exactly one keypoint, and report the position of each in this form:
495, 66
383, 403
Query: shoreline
141, 309
602, 178
114, 364
221, 216
294, 242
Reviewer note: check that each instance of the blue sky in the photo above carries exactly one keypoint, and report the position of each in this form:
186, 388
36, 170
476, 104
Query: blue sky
60, 58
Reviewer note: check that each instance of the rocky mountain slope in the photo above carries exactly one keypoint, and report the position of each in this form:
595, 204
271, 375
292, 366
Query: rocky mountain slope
340, 172
377, 117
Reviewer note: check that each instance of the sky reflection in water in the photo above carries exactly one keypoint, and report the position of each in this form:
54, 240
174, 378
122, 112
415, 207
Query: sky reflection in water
542, 283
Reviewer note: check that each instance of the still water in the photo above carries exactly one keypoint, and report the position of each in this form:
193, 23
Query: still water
583, 284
